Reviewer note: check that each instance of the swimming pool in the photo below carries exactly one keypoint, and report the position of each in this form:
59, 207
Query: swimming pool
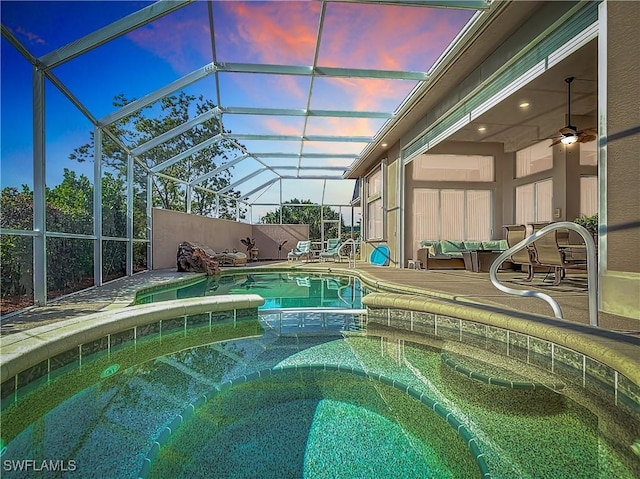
216, 399
280, 289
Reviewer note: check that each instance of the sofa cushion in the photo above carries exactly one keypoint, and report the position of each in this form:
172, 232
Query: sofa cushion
472, 245
495, 245
434, 251
427, 243
452, 248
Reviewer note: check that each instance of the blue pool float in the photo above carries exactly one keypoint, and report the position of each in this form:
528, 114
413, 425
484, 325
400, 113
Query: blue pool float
380, 256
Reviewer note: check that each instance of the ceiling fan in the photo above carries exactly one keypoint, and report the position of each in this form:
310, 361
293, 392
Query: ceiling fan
570, 133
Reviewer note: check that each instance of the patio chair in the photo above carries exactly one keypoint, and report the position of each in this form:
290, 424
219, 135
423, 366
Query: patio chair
333, 245
549, 252
302, 249
524, 257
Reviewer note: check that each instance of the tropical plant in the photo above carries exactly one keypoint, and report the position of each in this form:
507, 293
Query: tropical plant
250, 243
590, 223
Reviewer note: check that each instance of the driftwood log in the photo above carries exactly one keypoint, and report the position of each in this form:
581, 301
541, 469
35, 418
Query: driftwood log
196, 258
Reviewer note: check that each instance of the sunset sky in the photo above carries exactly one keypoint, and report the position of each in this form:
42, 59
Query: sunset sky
368, 36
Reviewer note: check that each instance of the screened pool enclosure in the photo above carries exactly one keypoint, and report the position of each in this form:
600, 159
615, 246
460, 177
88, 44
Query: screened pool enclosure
223, 109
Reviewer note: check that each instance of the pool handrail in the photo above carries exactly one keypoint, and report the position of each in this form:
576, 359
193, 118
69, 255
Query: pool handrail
352, 252
592, 273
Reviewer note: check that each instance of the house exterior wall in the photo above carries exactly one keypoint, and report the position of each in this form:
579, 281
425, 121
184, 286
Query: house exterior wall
619, 275
391, 204
620, 283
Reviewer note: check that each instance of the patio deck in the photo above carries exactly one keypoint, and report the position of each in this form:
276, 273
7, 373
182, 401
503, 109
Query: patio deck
461, 285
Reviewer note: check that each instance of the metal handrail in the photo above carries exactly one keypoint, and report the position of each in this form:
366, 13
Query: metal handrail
592, 273
352, 256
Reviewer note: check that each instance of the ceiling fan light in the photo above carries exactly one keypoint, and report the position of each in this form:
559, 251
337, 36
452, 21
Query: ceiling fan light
569, 139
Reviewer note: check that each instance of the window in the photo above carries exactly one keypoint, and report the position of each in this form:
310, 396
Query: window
452, 214
374, 205
374, 184
534, 202
534, 159
453, 168
588, 195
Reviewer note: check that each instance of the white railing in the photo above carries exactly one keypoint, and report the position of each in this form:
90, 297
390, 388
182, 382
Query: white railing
348, 253
592, 273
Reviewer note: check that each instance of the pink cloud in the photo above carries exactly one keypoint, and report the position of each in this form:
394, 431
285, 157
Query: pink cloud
362, 94
342, 126
182, 38
387, 36
279, 127
32, 38
269, 32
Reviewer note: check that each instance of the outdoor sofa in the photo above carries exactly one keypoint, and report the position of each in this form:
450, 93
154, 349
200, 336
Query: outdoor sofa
472, 255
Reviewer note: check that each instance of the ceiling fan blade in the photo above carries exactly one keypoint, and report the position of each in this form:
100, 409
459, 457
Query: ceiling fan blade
589, 131
586, 138
555, 142
568, 130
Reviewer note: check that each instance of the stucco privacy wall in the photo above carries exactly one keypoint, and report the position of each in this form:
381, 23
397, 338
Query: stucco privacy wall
268, 237
170, 228
620, 284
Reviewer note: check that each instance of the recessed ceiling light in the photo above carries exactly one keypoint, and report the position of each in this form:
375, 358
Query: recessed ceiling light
524, 104
384, 145
482, 128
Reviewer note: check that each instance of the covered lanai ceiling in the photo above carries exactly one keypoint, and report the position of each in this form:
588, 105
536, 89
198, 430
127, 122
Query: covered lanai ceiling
301, 87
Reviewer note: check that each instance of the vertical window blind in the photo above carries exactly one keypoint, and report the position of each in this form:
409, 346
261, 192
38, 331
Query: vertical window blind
452, 214
534, 159
588, 195
534, 202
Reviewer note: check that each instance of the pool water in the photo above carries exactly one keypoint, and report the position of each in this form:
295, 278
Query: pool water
315, 425
280, 290
107, 415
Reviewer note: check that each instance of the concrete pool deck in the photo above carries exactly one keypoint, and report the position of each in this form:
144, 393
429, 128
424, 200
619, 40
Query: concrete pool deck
462, 288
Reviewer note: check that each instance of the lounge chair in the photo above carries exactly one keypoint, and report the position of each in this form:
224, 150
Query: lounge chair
333, 245
234, 258
515, 234
302, 249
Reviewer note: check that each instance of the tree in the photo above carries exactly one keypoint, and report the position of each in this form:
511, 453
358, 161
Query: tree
171, 112
69, 209
16, 256
310, 214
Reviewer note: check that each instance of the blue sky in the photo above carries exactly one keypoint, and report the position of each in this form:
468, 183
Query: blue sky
354, 36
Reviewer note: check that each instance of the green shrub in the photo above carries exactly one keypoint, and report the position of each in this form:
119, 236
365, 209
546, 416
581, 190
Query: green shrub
590, 223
